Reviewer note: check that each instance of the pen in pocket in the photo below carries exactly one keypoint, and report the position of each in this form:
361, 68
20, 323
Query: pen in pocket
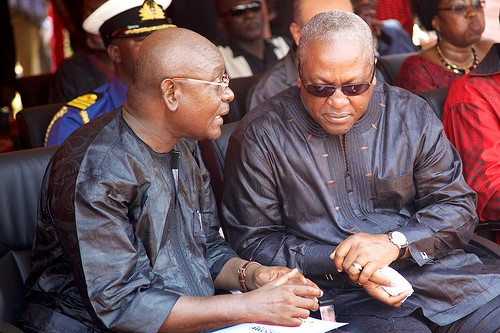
198, 216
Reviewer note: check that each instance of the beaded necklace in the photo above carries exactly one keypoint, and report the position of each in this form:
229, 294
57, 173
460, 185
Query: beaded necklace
454, 68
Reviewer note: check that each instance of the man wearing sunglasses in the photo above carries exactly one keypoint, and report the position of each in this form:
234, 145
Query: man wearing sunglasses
283, 74
342, 176
247, 51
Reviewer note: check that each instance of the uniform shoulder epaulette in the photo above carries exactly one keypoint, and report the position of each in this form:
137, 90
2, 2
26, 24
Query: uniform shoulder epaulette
84, 101
81, 103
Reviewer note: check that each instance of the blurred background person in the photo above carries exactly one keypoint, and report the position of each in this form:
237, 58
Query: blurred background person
248, 51
390, 35
400, 10
458, 25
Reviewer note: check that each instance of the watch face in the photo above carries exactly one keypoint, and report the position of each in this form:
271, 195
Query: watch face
398, 238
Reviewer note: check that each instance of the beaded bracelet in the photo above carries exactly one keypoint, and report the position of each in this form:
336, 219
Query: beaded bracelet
242, 274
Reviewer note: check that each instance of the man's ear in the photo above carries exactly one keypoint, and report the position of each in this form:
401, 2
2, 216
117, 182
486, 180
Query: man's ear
296, 32
114, 53
168, 93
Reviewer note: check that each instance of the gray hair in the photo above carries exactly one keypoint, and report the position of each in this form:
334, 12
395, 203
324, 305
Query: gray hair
335, 25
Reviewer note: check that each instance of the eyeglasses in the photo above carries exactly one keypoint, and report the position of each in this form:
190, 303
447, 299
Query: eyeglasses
461, 8
327, 90
224, 81
241, 9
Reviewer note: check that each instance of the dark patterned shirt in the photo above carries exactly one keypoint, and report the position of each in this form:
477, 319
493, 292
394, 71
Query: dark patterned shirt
296, 202
118, 239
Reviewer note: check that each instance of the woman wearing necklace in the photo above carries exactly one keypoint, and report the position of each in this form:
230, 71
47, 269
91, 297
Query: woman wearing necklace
459, 25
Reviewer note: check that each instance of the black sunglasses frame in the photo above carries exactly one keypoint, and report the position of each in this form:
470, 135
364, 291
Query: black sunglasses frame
240, 10
327, 90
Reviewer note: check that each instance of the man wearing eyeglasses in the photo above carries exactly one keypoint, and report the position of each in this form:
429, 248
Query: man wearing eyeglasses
342, 176
247, 51
128, 238
123, 25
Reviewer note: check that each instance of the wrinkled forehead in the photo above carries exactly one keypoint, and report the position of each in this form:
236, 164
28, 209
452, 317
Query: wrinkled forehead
213, 62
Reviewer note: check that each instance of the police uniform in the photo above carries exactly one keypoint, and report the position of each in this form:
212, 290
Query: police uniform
113, 19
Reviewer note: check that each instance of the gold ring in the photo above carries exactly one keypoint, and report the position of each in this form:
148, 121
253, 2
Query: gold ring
357, 266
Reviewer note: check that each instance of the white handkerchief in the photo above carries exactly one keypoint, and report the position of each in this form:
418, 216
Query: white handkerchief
398, 283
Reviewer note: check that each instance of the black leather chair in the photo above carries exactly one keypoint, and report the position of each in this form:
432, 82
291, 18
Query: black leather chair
213, 153
32, 123
390, 64
436, 99
238, 107
34, 90
21, 174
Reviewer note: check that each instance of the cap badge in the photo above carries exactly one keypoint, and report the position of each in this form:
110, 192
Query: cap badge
150, 10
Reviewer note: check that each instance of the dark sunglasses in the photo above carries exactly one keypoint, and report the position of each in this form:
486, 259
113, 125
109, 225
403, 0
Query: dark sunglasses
327, 90
462, 7
241, 9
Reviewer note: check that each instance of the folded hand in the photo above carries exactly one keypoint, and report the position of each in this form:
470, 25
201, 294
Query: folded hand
284, 300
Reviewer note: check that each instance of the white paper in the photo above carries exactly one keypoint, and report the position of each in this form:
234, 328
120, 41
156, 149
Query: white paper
309, 325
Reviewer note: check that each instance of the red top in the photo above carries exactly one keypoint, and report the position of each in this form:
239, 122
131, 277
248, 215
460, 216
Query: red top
396, 9
418, 74
471, 119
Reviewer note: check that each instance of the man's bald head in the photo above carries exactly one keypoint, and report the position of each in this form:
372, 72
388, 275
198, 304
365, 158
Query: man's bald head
173, 52
304, 10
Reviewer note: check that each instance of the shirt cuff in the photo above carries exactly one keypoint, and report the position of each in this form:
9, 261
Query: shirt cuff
418, 242
317, 260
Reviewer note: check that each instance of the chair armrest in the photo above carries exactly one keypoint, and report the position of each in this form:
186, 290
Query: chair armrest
487, 226
487, 246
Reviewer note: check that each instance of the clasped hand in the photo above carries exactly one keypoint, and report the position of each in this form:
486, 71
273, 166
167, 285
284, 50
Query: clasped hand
284, 296
371, 252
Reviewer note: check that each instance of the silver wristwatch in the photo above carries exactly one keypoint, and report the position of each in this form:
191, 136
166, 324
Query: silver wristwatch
399, 239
